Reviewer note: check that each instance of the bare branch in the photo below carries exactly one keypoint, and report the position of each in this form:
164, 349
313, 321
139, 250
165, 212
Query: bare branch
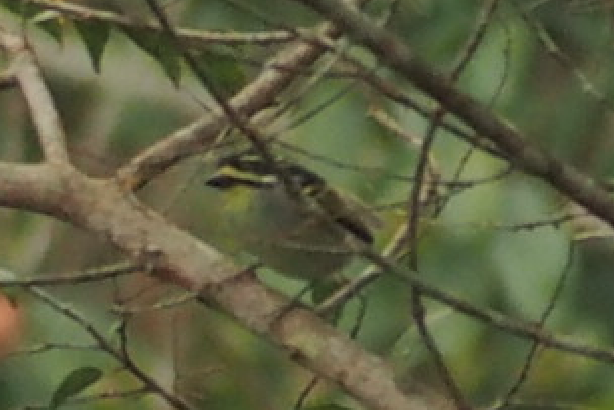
330, 354
38, 97
105, 208
493, 318
532, 354
397, 55
560, 57
188, 37
102, 207
31, 187
89, 275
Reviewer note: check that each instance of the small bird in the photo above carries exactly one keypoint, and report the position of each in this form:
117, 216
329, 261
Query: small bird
269, 221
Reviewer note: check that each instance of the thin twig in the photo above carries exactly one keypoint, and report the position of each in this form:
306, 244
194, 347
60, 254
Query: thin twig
522, 329
106, 346
529, 157
111, 395
234, 117
162, 305
560, 57
479, 32
418, 310
47, 347
385, 172
529, 360
90, 275
192, 38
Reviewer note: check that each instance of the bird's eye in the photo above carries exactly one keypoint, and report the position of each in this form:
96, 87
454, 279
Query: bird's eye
221, 182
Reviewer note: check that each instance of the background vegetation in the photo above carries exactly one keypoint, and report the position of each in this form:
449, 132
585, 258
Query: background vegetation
514, 247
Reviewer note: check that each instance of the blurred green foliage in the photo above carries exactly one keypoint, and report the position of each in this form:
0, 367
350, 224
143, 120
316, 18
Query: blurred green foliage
475, 249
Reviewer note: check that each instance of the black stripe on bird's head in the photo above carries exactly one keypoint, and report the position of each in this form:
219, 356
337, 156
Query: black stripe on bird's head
249, 169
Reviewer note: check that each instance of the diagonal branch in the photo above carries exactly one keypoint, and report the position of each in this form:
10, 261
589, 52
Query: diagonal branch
32, 187
532, 159
38, 97
102, 207
104, 344
260, 94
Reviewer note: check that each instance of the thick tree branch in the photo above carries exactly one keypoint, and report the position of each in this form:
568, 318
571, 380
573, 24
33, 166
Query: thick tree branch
106, 209
42, 109
32, 187
394, 53
103, 208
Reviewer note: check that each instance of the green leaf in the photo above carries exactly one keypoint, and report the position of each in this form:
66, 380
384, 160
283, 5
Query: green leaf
226, 74
25, 9
328, 407
51, 24
161, 48
95, 35
323, 289
48, 20
76, 381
